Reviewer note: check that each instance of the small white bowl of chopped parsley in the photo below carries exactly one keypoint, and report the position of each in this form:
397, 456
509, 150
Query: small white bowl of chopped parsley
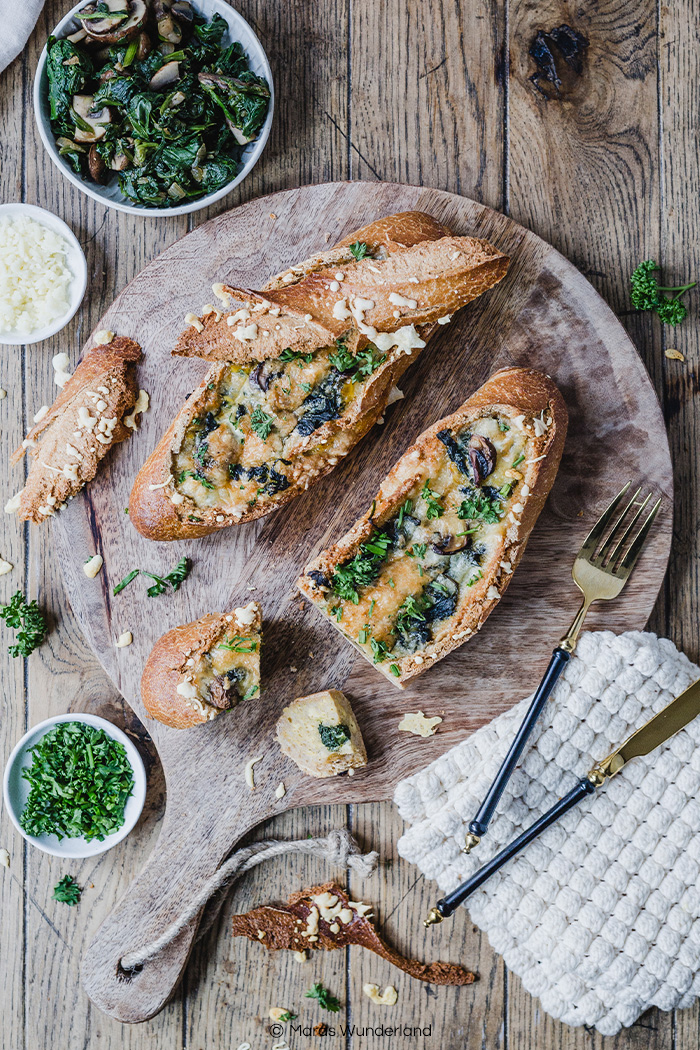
74, 785
157, 107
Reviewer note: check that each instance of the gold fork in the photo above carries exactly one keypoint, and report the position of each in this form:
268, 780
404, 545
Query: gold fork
600, 577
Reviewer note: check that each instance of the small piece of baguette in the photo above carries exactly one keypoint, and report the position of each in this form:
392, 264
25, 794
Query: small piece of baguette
68, 443
534, 419
419, 275
184, 681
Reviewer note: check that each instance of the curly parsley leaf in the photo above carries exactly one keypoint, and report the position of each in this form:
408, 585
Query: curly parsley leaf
646, 294
67, 891
28, 620
434, 508
361, 570
174, 579
325, 998
261, 423
360, 250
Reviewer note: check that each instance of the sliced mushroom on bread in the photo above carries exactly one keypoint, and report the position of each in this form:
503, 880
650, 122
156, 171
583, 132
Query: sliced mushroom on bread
302, 370
69, 440
198, 671
420, 572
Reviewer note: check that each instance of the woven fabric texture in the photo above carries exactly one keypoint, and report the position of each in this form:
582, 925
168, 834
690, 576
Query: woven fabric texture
600, 916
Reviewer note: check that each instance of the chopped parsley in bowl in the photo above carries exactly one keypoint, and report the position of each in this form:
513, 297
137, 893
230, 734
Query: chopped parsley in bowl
154, 105
74, 785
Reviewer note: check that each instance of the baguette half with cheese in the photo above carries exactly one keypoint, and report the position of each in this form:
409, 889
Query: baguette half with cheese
302, 370
420, 572
201, 669
93, 412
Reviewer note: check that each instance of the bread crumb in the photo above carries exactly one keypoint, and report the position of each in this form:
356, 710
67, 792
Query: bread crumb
280, 790
675, 355
417, 723
249, 778
386, 998
279, 1013
5, 567
272, 215
93, 565
124, 639
4, 858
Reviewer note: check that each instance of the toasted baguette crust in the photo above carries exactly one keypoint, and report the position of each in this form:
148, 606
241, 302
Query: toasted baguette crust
420, 245
110, 367
166, 666
513, 392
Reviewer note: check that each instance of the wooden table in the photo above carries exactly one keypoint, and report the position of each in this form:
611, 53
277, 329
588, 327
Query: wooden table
419, 91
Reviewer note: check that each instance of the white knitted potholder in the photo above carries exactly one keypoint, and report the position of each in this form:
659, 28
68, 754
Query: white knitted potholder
599, 917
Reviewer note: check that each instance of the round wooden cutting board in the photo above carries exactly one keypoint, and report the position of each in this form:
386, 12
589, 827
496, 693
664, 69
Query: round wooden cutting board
543, 314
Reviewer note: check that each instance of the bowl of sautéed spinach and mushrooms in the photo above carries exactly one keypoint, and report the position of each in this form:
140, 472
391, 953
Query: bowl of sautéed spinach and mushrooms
154, 106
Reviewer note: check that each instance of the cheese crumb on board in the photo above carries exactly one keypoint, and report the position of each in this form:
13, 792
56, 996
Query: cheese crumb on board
60, 363
302, 956
103, 337
4, 858
417, 723
41, 413
386, 998
5, 566
93, 565
34, 275
193, 320
124, 639
12, 505
142, 404
249, 777
279, 1013
280, 790
3, 394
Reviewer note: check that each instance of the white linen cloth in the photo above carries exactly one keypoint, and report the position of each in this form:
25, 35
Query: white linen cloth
600, 916
17, 21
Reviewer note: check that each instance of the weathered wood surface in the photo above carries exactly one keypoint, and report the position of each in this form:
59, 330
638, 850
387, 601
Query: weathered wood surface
543, 314
408, 91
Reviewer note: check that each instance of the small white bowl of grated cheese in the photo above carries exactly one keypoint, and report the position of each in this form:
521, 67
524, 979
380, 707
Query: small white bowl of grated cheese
43, 274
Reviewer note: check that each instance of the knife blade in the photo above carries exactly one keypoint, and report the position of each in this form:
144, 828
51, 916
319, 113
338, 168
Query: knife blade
660, 728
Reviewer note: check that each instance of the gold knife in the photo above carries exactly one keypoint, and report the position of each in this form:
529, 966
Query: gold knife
669, 721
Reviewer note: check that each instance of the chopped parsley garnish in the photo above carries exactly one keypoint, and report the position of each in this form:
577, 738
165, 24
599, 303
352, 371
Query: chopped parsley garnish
379, 650
325, 998
361, 570
333, 737
503, 426
287, 1015
476, 575
174, 579
646, 294
28, 620
395, 670
80, 780
518, 461
296, 355
406, 508
198, 476
417, 550
361, 364
261, 423
250, 692
505, 490
239, 644
67, 891
435, 508
410, 611
360, 250
483, 506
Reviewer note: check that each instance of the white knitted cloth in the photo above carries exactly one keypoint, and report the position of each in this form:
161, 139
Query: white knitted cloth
599, 917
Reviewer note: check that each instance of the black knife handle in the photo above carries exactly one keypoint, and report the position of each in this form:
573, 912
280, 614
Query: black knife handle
560, 659
448, 904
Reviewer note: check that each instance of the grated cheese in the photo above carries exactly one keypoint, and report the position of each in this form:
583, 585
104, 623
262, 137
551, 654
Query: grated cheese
34, 275
417, 723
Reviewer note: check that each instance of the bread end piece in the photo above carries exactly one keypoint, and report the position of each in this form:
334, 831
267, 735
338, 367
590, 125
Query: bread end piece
321, 735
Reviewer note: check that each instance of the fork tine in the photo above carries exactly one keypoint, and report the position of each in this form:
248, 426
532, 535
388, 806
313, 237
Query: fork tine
598, 530
630, 559
602, 553
620, 545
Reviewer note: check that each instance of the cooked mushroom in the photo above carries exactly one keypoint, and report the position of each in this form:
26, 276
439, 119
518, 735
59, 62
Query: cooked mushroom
119, 162
182, 10
166, 75
77, 38
449, 544
482, 457
97, 166
144, 47
169, 29
96, 122
125, 20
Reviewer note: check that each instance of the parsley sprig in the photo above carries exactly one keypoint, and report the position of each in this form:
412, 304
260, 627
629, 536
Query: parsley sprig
482, 506
434, 508
28, 620
646, 294
174, 579
80, 780
260, 423
361, 570
325, 998
359, 365
360, 250
67, 891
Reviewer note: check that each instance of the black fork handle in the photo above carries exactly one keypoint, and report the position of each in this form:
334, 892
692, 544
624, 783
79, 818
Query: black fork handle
560, 658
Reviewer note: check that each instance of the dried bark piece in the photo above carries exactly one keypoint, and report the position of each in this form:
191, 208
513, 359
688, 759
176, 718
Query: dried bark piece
310, 920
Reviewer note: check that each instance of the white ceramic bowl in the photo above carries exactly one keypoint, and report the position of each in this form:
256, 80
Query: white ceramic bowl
75, 259
16, 789
111, 195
